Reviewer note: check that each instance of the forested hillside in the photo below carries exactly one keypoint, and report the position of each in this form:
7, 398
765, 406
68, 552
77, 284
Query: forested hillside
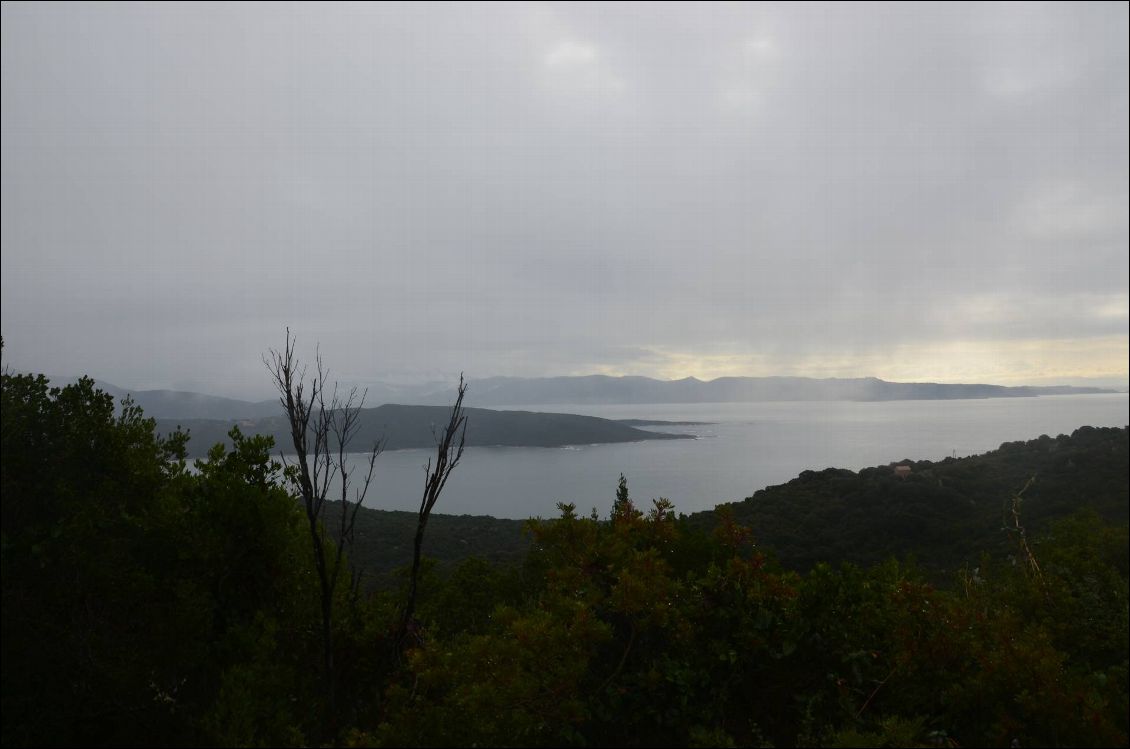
944, 513
144, 603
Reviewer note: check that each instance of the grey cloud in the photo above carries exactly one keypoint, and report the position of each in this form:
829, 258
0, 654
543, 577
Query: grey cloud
521, 189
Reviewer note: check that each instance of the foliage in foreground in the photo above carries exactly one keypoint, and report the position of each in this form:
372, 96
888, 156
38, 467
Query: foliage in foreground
642, 632
145, 602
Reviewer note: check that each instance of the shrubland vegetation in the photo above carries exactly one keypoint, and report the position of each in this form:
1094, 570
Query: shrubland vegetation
144, 602
944, 513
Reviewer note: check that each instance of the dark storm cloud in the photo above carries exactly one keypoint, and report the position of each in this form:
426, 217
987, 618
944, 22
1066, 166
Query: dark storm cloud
917, 191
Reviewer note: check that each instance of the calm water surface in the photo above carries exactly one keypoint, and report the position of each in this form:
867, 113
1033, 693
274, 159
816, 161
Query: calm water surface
748, 446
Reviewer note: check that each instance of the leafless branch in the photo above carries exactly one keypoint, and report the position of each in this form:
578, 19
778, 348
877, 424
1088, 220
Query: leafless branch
321, 432
448, 454
1013, 515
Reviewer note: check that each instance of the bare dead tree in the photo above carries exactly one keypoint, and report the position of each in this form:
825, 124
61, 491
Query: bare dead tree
321, 433
447, 457
1012, 513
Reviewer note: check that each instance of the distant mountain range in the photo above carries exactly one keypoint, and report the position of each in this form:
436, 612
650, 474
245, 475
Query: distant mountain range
180, 404
598, 390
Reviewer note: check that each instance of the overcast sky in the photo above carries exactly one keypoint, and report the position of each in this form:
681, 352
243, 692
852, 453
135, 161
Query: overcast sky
912, 192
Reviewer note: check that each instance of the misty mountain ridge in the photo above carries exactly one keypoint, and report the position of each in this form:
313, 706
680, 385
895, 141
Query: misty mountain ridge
602, 389
597, 390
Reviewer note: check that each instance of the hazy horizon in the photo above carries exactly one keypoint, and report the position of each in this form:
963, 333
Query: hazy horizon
266, 394
918, 193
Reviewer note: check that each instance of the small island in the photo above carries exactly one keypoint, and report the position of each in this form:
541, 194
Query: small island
407, 427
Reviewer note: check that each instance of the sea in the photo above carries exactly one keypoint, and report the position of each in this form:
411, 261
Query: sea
738, 449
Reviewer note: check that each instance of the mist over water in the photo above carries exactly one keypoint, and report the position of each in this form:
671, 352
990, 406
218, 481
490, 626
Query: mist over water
746, 447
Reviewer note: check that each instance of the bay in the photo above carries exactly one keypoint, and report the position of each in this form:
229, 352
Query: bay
745, 447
